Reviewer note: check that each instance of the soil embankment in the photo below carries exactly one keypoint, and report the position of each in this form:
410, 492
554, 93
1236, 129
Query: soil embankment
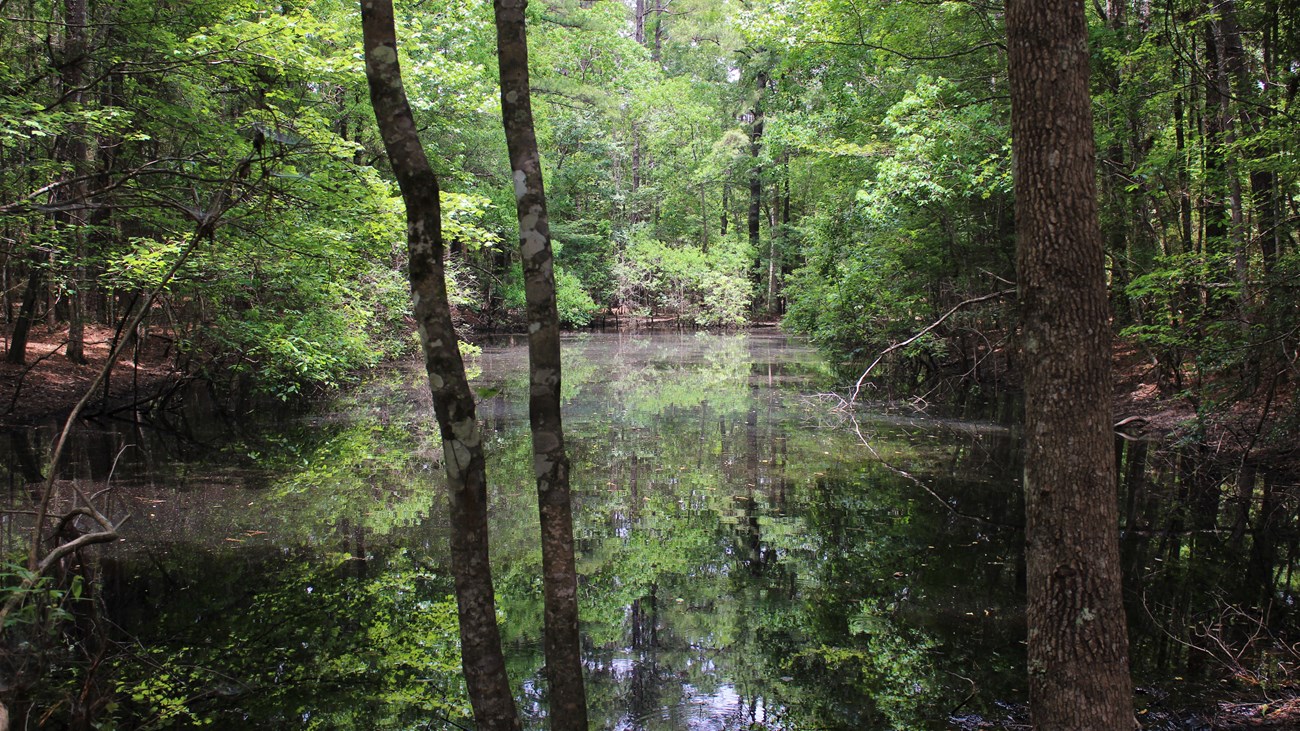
49, 385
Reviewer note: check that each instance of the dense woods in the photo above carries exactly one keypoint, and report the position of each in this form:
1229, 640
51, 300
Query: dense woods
842, 166
204, 182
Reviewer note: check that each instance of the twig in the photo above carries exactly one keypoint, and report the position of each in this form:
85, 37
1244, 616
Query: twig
964, 303
18, 385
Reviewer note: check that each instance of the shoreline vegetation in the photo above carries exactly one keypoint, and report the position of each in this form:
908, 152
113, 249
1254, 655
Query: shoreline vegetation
49, 385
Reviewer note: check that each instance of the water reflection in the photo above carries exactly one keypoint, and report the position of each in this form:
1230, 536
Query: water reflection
750, 557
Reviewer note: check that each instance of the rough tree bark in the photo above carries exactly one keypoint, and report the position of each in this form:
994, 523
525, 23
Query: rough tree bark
568, 700
1078, 645
482, 660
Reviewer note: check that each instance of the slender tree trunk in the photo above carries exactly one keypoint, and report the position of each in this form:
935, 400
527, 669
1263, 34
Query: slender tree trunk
1117, 202
77, 154
462, 444
657, 45
639, 12
634, 215
774, 233
1229, 54
726, 205
1078, 644
568, 698
17, 354
756, 171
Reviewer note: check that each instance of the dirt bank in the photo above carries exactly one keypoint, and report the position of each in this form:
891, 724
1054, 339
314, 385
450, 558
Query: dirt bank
48, 385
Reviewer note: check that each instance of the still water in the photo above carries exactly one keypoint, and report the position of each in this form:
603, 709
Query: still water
751, 556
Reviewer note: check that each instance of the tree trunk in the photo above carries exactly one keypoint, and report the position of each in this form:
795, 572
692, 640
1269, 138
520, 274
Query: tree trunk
639, 12
481, 657
568, 699
634, 205
17, 354
1226, 40
77, 154
756, 171
1078, 645
774, 234
657, 47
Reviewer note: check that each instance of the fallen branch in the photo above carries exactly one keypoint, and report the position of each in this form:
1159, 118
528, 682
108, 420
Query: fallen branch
107, 534
206, 221
964, 303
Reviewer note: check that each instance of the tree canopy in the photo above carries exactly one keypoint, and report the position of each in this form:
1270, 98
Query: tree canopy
841, 166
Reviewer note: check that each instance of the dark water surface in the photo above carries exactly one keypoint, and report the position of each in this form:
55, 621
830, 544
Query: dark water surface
751, 556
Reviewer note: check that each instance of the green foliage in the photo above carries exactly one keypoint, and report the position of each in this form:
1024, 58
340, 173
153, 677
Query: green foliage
575, 306
41, 608
706, 288
387, 646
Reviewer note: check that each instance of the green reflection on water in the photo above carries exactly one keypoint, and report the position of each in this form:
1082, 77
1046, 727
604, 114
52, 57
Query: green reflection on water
746, 562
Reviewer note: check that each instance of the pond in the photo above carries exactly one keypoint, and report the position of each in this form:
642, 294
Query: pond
752, 556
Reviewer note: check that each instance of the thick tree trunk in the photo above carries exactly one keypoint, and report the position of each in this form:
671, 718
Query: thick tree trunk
1078, 645
568, 699
482, 660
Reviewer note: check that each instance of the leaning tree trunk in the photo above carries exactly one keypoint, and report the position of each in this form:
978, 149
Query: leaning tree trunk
568, 698
1078, 644
462, 444
17, 354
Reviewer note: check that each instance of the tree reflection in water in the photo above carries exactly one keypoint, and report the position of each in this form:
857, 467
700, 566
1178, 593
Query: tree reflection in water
746, 561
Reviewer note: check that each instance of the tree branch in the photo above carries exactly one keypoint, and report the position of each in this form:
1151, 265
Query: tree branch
960, 305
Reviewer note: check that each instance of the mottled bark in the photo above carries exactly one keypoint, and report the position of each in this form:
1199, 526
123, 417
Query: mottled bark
482, 660
568, 700
1078, 645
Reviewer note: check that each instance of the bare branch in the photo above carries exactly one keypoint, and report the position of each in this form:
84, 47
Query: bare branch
857, 388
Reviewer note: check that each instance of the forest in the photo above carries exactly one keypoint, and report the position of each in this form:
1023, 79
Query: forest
842, 167
201, 187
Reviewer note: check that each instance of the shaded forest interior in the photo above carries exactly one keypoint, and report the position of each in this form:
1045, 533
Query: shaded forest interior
202, 185
842, 166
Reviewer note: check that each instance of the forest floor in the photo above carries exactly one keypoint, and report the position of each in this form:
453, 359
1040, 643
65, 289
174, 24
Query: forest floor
1234, 431
49, 385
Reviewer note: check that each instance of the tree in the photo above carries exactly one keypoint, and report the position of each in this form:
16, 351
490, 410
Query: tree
1078, 644
462, 444
550, 462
